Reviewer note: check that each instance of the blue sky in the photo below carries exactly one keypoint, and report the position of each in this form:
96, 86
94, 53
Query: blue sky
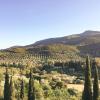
23, 22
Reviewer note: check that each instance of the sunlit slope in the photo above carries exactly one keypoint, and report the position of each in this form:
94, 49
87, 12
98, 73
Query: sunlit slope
68, 47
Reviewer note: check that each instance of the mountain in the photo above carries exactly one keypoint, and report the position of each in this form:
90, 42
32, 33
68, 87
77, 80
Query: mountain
70, 47
87, 42
90, 33
87, 37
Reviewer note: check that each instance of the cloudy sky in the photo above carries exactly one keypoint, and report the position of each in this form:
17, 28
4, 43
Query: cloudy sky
23, 22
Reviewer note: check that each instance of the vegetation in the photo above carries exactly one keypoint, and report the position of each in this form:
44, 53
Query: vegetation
96, 83
87, 93
58, 72
31, 90
6, 86
22, 90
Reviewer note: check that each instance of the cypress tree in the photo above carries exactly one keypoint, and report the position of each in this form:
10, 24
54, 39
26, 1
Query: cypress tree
87, 93
31, 94
6, 86
11, 90
22, 90
96, 83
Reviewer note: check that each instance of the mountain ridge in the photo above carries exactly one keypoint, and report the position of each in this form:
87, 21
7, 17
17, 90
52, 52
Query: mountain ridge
71, 39
87, 42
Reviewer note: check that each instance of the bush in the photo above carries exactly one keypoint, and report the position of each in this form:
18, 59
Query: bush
72, 92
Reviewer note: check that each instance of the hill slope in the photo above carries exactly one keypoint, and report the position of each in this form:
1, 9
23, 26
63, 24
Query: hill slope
68, 47
87, 37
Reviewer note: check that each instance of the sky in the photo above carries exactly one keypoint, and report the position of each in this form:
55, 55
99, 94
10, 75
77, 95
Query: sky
24, 22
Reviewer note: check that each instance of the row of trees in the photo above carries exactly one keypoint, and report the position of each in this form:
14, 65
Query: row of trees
90, 93
9, 88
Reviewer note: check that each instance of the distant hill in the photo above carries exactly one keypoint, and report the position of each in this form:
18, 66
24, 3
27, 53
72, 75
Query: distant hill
87, 37
87, 42
72, 46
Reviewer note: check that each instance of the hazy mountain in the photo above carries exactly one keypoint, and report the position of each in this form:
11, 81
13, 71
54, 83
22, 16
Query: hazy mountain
87, 37
90, 33
86, 42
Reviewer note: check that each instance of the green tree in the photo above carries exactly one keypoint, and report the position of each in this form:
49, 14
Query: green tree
87, 93
31, 90
96, 83
22, 90
11, 90
6, 86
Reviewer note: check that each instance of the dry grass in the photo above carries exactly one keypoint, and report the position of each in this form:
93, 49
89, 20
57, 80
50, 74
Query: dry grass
78, 87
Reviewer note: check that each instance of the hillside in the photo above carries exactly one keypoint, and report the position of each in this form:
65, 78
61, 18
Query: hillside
87, 42
87, 37
64, 48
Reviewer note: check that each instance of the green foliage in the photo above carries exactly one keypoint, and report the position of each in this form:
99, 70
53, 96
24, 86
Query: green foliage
87, 93
31, 90
96, 83
6, 86
60, 94
38, 90
59, 85
53, 85
11, 90
72, 92
22, 90
47, 91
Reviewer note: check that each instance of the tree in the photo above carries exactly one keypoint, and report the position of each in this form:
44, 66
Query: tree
96, 83
11, 90
6, 86
87, 93
22, 90
31, 90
